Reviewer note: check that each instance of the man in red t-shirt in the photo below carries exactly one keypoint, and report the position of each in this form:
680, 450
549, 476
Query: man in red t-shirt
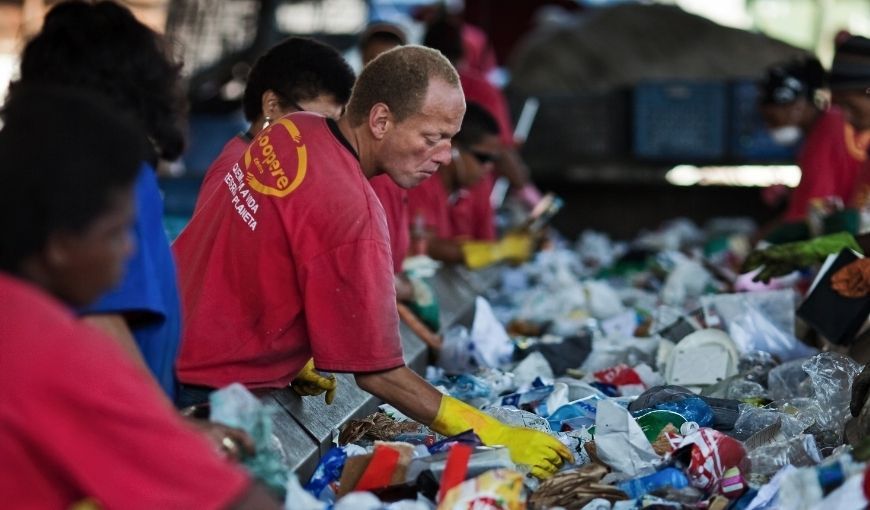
81, 420
297, 74
291, 260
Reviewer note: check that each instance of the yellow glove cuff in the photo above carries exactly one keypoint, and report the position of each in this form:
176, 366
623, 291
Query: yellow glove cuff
455, 416
480, 254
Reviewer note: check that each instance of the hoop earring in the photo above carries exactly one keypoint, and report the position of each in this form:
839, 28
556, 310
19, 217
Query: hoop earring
268, 121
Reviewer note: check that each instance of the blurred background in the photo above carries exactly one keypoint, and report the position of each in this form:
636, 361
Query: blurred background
634, 112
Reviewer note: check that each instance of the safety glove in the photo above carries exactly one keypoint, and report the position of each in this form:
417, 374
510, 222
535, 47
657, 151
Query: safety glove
853, 280
541, 452
782, 259
515, 248
309, 382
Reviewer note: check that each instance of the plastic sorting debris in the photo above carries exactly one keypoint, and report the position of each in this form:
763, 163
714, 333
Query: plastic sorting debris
708, 454
769, 459
486, 345
803, 488
577, 353
576, 489
620, 443
531, 368
235, 406
667, 477
758, 321
702, 358
499, 486
687, 281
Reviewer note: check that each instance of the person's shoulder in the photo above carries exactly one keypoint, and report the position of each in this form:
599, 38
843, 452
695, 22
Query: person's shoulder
33, 320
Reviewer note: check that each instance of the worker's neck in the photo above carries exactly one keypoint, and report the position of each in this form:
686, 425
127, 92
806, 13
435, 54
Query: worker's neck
354, 137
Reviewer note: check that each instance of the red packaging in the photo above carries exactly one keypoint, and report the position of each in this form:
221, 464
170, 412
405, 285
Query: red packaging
619, 375
710, 453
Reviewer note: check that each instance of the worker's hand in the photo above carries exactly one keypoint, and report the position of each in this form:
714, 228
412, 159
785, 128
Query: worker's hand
782, 259
853, 281
309, 382
542, 453
515, 248
234, 444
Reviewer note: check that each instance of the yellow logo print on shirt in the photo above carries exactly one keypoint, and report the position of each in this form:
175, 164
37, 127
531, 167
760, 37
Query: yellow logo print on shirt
268, 155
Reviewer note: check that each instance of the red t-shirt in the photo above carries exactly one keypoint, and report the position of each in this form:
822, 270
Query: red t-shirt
395, 202
477, 52
827, 166
213, 178
289, 260
79, 419
449, 216
479, 90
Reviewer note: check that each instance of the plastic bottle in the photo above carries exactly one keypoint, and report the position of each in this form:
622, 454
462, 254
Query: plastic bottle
807, 486
667, 477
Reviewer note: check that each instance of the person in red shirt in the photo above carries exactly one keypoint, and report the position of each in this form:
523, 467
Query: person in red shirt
444, 201
789, 108
81, 420
446, 35
297, 74
293, 261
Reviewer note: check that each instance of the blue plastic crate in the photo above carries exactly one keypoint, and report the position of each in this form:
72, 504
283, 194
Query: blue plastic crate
750, 141
681, 121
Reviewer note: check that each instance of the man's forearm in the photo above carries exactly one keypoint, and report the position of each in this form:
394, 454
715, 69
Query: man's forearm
405, 390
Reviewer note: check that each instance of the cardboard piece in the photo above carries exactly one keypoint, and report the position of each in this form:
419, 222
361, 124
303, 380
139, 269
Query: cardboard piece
356, 468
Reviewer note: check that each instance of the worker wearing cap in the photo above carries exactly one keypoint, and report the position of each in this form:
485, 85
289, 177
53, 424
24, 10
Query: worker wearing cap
294, 260
850, 90
829, 163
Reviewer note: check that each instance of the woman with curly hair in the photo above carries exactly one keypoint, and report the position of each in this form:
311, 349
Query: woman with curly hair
101, 47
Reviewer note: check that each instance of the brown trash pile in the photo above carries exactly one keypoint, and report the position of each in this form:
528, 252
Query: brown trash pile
626, 44
574, 489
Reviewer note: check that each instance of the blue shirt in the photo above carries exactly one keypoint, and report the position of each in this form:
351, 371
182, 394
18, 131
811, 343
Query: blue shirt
149, 290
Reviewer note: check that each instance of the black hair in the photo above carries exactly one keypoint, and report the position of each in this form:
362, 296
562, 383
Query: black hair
102, 47
297, 69
63, 153
445, 36
788, 82
476, 124
381, 36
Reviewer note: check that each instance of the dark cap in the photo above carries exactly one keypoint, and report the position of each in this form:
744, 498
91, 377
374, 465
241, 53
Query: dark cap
786, 83
851, 68
383, 27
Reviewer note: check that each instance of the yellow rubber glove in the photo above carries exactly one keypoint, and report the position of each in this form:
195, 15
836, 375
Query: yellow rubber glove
309, 382
542, 453
516, 248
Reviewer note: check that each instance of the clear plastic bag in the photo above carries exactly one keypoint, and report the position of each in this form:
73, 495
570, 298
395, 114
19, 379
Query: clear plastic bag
798, 451
758, 321
789, 380
831, 375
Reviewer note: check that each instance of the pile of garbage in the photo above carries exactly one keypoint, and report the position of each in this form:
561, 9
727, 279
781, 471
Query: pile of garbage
671, 389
